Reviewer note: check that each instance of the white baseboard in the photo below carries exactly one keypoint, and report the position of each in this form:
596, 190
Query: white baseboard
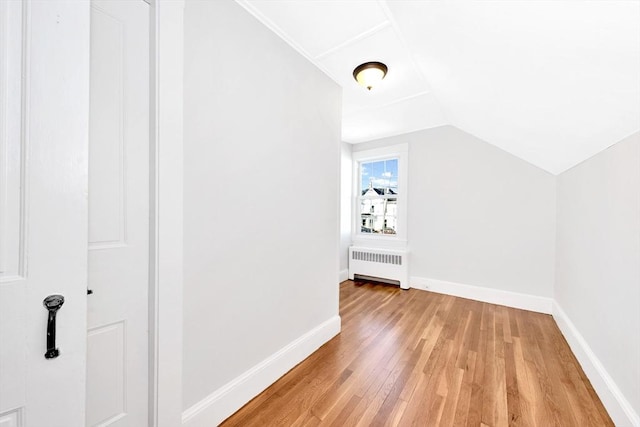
222, 403
344, 275
490, 295
619, 408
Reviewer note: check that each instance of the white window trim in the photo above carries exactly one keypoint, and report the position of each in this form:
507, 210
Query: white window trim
399, 240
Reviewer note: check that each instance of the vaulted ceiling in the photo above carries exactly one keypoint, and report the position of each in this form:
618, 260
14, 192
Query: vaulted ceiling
552, 82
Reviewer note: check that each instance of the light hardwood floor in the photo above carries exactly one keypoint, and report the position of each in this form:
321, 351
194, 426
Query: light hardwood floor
419, 358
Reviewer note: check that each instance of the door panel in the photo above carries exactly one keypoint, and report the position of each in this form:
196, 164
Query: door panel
106, 367
107, 145
44, 100
117, 337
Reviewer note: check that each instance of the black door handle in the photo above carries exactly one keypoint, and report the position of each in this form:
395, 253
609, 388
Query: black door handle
53, 304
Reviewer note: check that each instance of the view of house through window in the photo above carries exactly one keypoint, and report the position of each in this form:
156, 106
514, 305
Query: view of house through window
379, 196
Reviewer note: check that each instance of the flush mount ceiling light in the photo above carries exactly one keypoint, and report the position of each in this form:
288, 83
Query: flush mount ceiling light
370, 73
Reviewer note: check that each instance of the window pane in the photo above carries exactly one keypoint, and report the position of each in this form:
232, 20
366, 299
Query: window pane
378, 215
379, 177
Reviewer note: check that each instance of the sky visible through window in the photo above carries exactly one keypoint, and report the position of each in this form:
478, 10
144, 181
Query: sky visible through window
381, 173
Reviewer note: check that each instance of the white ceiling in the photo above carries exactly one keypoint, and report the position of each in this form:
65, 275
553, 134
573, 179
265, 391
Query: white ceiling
552, 82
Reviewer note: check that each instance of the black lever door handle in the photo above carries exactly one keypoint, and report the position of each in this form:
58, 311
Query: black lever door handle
52, 303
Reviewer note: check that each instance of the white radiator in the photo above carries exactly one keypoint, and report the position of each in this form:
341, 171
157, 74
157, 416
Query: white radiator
390, 264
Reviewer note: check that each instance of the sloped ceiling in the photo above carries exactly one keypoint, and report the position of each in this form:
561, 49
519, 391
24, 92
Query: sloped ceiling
552, 82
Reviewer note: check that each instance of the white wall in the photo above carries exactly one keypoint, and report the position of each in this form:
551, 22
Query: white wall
261, 202
346, 167
598, 267
477, 215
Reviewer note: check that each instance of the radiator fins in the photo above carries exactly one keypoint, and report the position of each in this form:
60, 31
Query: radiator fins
377, 257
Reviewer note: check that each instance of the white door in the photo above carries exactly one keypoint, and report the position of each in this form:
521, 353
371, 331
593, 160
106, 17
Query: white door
44, 103
117, 338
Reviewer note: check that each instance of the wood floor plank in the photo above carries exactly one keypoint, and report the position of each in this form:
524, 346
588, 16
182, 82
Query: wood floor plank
418, 358
464, 397
513, 396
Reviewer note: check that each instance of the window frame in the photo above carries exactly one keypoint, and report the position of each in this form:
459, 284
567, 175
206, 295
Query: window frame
400, 152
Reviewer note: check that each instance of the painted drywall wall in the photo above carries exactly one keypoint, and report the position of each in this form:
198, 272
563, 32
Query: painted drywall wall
477, 215
261, 196
345, 208
598, 259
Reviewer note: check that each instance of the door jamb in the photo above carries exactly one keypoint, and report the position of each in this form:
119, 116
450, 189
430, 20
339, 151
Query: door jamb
165, 216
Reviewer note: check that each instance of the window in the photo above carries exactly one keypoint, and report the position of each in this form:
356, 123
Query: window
379, 196
379, 209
